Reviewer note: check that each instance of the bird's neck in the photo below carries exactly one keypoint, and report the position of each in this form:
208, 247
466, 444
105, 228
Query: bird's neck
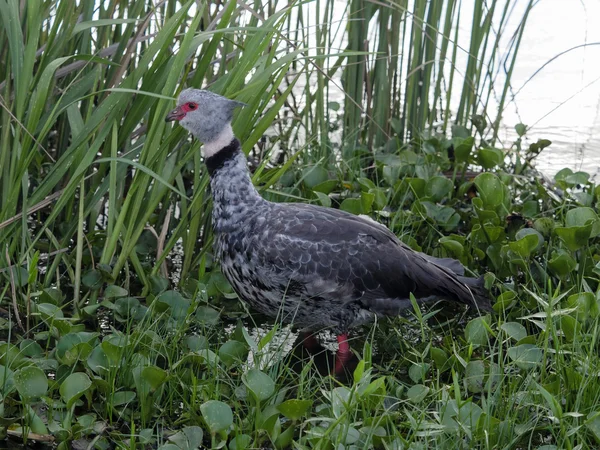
222, 140
234, 196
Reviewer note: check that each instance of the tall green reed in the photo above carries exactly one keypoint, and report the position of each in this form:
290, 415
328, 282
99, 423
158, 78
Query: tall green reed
87, 163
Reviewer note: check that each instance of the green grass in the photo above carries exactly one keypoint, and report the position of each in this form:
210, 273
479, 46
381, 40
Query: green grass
109, 340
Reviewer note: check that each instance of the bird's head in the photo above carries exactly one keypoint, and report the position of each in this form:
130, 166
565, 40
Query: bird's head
204, 114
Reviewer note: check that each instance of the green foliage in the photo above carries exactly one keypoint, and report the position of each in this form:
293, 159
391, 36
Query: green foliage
117, 345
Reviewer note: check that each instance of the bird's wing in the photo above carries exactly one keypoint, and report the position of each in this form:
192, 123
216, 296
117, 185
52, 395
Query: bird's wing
327, 250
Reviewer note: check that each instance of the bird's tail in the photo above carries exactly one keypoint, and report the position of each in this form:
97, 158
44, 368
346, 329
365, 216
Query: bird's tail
464, 289
476, 294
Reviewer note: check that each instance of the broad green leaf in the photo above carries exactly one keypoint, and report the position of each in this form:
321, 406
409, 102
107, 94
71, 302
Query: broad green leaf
314, 176
121, 398
514, 330
259, 383
475, 375
31, 382
155, 376
489, 158
217, 415
438, 187
525, 356
490, 189
232, 352
294, 409
476, 331
417, 393
74, 386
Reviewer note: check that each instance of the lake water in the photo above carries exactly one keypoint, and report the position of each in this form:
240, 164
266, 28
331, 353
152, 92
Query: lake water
562, 102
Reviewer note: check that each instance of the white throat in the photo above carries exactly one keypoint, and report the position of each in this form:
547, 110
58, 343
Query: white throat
223, 140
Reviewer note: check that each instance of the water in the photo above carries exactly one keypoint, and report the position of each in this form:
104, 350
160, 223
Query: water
562, 102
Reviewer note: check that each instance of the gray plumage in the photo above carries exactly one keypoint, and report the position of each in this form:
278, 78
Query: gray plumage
316, 267
321, 267
217, 112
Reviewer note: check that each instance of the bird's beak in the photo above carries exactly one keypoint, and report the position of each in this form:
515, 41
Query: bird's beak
176, 114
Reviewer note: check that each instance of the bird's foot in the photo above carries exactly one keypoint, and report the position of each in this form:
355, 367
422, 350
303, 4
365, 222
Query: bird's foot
343, 355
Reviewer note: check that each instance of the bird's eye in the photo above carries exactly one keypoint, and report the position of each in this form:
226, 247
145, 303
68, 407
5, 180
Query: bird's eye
192, 106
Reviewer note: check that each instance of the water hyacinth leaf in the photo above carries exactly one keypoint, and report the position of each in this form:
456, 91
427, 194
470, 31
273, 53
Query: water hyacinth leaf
36, 424
189, 438
593, 424
169, 447
418, 371
195, 343
294, 409
514, 330
92, 279
389, 159
462, 148
366, 202
489, 158
114, 291
48, 312
476, 331
531, 208
325, 187
217, 415
129, 308
582, 216
577, 178
490, 189
469, 414
524, 232
416, 186
340, 397
314, 175
475, 375
240, 442
73, 387
526, 244
562, 174
417, 393
586, 304
18, 274
174, 303
455, 248
570, 327
121, 398
521, 129
574, 237
525, 356
30, 348
113, 346
324, 199
439, 357
97, 361
207, 315
352, 205
51, 295
438, 187
31, 382
154, 375
562, 263
347, 435
259, 383
232, 352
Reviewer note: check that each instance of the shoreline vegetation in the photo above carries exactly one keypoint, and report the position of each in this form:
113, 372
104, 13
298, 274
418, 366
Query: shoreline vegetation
117, 329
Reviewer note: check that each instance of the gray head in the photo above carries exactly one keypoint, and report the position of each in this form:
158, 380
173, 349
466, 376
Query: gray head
203, 113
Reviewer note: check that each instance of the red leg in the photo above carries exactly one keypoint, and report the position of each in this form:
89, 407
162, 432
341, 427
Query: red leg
343, 354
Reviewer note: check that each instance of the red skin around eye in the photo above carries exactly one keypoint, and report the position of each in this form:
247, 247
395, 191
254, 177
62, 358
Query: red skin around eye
187, 107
